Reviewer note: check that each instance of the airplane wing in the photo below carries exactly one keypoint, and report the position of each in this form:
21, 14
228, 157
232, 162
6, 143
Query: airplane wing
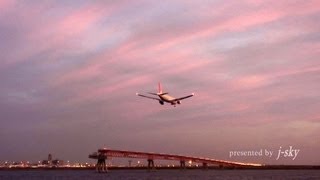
148, 97
185, 97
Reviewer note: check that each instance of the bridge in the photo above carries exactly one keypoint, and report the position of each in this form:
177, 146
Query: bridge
104, 153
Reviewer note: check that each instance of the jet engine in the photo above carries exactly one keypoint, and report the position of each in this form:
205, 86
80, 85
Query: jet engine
161, 102
178, 102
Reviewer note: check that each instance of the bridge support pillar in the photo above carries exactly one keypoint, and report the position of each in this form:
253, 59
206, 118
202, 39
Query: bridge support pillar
150, 164
182, 164
205, 166
101, 164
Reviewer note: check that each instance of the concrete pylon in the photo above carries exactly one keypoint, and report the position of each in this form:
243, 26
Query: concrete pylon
101, 164
205, 166
182, 164
150, 164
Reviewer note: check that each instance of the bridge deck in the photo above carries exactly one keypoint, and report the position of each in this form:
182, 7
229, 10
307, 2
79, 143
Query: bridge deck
160, 156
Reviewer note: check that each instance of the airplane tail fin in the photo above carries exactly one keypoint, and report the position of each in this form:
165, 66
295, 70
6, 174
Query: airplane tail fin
159, 88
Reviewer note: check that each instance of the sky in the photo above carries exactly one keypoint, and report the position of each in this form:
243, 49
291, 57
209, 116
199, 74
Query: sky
69, 72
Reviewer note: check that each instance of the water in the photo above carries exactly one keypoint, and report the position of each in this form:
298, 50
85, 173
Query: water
159, 174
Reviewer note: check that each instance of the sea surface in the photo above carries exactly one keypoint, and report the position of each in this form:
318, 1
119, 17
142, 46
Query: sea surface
159, 174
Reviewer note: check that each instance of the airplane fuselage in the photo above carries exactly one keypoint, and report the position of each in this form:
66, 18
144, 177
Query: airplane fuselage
168, 99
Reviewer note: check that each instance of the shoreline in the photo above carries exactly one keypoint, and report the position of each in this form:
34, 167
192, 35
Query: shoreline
266, 167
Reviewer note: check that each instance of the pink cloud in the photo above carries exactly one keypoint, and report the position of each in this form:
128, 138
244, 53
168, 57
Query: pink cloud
250, 82
89, 71
59, 35
70, 27
4, 4
130, 49
99, 93
249, 19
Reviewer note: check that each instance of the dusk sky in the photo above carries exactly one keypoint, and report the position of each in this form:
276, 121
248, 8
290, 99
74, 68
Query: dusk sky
69, 72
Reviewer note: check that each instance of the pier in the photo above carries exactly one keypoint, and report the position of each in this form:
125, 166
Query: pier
150, 157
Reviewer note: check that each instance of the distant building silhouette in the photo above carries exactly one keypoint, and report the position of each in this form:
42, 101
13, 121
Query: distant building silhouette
50, 162
49, 157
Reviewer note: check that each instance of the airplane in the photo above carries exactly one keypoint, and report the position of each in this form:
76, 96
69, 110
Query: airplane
164, 97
